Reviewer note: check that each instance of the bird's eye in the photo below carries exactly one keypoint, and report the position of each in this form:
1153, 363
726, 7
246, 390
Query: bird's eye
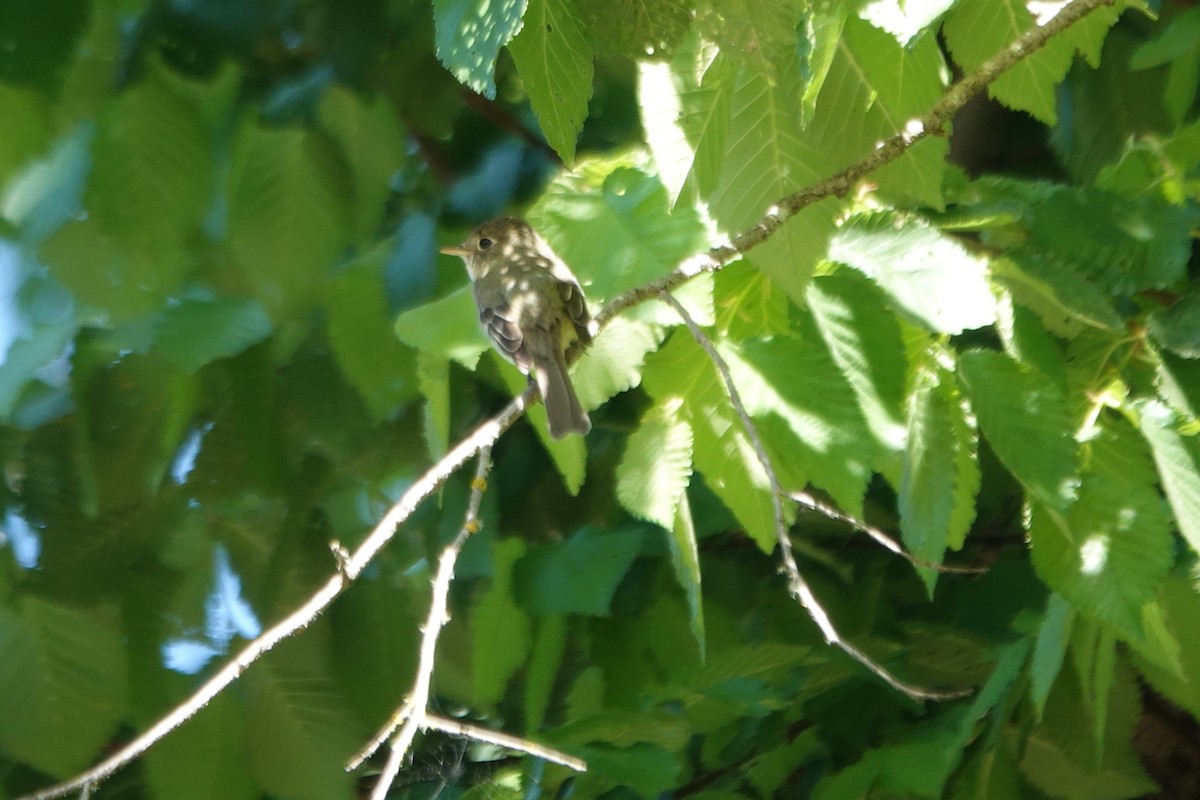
485, 243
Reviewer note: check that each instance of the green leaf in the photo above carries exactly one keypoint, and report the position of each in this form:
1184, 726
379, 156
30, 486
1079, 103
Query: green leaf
378, 366
205, 758
448, 328
1176, 672
685, 111
1178, 328
749, 305
977, 29
62, 684
433, 380
47, 192
929, 276
27, 129
152, 173
637, 28
500, 631
873, 88
1027, 422
118, 282
904, 19
657, 466
289, 214
1178, 466
1126, 247
767, 160
201, 330
941, 476
545, 660
372, 142
298, 733
682, 371
576, 576
863, 336
553, 54
797, 382
1054, 634
1060, 295
1110, 551
685, 559
609, 221
614, 361
469, 35
648, 770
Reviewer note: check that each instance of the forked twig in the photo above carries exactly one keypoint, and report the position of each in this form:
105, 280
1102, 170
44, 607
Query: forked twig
797, 585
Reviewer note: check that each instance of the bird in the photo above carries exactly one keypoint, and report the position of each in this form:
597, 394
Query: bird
531, 306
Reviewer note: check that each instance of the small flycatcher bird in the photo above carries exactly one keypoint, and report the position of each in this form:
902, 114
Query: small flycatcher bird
531, 307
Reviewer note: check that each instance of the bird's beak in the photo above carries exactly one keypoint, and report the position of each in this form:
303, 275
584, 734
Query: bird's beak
456, 250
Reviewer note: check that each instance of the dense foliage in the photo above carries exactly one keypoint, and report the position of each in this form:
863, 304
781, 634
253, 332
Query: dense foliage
228, 340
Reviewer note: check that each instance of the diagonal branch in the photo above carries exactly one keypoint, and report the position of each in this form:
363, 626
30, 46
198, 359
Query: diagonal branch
807, 500
352, 564
797, 585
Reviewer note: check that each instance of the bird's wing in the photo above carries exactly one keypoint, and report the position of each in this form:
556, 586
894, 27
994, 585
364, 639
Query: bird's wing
506, 333
575, 307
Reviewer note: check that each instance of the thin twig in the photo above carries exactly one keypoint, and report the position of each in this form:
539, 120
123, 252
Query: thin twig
415, 706
797, 585
932, 123
807, 500
456, 728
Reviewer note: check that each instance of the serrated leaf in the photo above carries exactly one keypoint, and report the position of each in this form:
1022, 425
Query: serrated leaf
298, 733
578, 575
681, 370
767, 160
940, 478
500, 631
873, 87
1054, 634
469, 35
545, 660
433, 380
360, 330
637, 28
609, 221
904, 19
152, 174
201, 330
931, 277
1178, 466
656, 466
863, 336
448, 328
818, 36
206, 758
553, 54
685, 111
685, 558
1052, 288
1127, 245
977, 29
614, 361
373, 143
1110, 551
289, 214
62, 684
797, 382
1027, 422
109, 278
749, 305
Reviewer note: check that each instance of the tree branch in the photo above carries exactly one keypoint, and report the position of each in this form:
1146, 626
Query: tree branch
797, 585
351, 565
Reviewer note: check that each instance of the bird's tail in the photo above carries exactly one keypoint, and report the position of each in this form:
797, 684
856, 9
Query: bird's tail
562, 405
